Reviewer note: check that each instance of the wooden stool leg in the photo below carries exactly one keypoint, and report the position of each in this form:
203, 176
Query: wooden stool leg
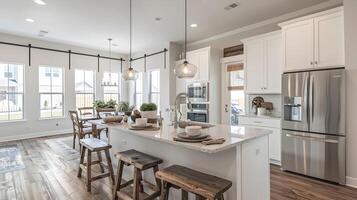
141, 187
89, 170
198, 197
221, 197
118, 181
99, 155
184, 195
110, 166
74, 140
81, 161
158, 181
136, 189
165, 191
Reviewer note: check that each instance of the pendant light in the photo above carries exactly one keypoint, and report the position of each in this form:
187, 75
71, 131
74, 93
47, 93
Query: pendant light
130, 74
110, 83
185, 70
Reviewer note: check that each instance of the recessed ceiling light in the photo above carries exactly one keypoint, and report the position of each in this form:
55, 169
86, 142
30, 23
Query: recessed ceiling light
193, 25
40, 2
158, 18
30, 20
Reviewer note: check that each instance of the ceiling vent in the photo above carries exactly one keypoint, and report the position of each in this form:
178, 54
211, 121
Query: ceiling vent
231, 6
42, 33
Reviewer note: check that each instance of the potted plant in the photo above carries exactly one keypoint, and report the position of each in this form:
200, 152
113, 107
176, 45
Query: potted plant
124, 107
111, 103
148, 110
100, 104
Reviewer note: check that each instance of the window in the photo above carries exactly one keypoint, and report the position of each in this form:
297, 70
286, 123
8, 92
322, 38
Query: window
111, 92
84, 88
51, 92
236, 88
11, 92
154, 81
138, 96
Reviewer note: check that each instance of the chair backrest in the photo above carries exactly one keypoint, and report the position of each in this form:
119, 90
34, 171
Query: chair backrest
77, 124
103, 111
86, 111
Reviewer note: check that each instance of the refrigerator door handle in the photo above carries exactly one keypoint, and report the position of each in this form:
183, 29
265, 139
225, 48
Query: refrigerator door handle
312, 138
312, 99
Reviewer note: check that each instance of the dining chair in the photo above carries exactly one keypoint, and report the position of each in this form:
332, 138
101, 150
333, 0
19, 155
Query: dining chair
101, 112
78, 128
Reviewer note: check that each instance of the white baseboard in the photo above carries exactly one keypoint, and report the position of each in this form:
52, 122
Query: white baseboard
351, 181
34, 135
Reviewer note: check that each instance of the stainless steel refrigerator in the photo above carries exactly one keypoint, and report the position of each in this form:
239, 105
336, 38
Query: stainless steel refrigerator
313, 123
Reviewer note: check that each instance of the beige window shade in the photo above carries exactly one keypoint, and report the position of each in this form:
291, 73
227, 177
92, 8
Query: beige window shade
235, 67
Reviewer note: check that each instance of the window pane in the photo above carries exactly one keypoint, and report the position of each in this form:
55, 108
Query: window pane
16, 106
155, 98
108, 97
138, 99
237, 78
237, 105
155, 81
89, 81
16, 82
139, 83
4, 81
45, 105
57, 80
57, 105
84, 100
79, 80
45, 79
4, 107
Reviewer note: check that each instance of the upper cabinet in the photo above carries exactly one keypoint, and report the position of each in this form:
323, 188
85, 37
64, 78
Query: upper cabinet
263, 63
315, 41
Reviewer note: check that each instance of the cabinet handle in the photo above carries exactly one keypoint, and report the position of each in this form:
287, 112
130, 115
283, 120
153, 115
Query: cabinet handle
316, 62
311, 63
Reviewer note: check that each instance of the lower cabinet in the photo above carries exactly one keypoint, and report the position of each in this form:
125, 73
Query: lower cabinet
272, 124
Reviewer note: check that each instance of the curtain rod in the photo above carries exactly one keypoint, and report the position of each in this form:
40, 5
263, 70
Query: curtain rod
60, 51
148, 55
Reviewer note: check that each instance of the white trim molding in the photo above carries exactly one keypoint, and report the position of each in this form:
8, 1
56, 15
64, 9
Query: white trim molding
34, 135
351, 181
322, 6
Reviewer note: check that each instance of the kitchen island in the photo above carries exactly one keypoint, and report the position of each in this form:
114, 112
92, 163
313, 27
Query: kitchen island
242, 159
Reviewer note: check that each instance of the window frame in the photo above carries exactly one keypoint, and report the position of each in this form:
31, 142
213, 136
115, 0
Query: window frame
150, 85
118, 94
14, 93
85, 93
142, 87
53, 93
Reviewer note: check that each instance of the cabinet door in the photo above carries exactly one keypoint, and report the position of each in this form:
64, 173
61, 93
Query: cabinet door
329, 40
298, 45
274, 64
275, 146
204, 65
195, 60
254, 65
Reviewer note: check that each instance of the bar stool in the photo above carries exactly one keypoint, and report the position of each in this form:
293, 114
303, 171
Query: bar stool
95, 145
140, 162
204, 186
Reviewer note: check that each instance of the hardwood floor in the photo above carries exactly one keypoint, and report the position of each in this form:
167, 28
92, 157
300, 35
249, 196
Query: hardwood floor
48, 176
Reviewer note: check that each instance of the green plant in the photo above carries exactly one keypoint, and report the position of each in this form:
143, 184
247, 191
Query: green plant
111, 103
148, 107
100, 104
123, 106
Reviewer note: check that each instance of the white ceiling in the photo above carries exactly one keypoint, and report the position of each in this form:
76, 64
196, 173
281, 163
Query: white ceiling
90, 22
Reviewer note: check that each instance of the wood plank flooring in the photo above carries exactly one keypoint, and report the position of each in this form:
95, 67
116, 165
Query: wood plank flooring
48, 176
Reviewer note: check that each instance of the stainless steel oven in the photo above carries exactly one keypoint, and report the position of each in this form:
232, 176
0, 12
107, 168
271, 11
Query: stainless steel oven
198, 112
198, 92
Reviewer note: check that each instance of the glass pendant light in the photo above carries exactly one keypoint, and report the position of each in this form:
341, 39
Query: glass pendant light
130, 74
110, 83
185, 70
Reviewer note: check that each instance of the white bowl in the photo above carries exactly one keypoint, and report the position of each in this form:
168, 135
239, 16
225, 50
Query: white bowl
193, 130
141, 121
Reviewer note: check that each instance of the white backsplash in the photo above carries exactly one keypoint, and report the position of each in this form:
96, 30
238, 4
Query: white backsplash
273, 98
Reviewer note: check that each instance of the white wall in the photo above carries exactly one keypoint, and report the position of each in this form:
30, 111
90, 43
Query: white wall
351, 69
32, 125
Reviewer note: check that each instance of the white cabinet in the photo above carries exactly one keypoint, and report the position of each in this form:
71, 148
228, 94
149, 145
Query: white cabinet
315, 41
263, 63
200, 58
272, 124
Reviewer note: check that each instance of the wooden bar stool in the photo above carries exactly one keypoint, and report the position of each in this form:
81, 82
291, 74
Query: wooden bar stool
204, 186
141, 162
95, 145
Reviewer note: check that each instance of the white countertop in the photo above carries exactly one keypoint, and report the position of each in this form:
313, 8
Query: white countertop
263, 116
234, 135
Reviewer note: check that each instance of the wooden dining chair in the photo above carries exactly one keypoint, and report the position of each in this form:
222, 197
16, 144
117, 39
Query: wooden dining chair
101, 112
83, 111
79, 130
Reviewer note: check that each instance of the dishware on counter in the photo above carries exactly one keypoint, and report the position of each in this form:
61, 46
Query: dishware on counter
184, 123
184, 135
261, 111
191, 139
112, 119
141, 122
193, 130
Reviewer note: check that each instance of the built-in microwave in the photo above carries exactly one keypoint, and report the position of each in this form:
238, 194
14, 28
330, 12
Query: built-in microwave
198, 112
198, 92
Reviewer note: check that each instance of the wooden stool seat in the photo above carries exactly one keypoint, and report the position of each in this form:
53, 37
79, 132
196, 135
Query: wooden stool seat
95, 145
141, 162
201, 184
138, 159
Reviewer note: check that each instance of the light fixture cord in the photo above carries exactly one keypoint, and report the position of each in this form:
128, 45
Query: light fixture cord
130, 32
185, 29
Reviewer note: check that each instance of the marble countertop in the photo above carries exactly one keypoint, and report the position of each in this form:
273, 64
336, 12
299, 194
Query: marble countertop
234, 135
264, 116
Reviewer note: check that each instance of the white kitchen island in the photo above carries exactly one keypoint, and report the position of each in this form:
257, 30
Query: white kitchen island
242, 159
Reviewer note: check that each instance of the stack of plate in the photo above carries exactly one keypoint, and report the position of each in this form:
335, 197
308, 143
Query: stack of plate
184, 137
